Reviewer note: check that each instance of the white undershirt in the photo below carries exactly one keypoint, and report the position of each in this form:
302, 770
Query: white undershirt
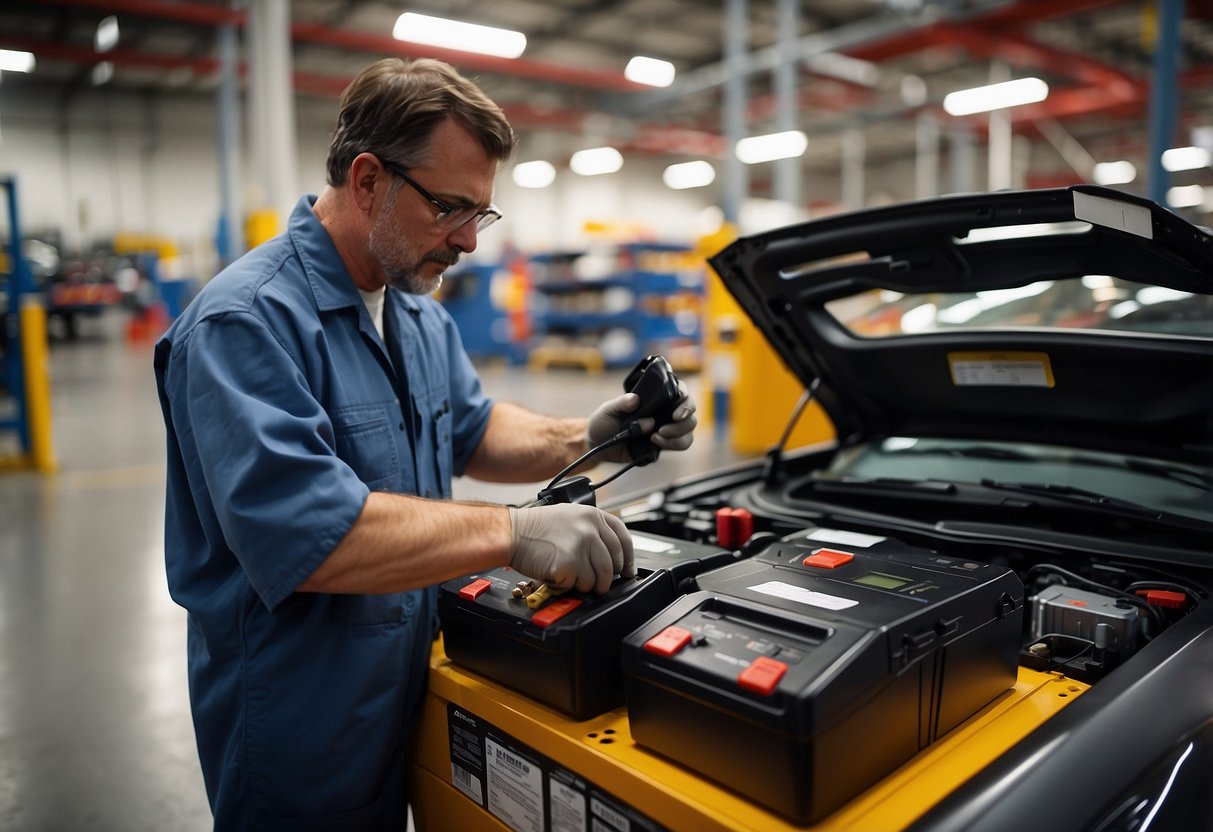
374, 305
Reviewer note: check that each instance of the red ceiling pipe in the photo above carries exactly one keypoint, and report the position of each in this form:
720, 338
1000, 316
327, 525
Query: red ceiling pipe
196, 13
55, 51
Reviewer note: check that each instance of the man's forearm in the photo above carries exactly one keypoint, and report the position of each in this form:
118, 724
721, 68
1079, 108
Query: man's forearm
521, 446
400, 543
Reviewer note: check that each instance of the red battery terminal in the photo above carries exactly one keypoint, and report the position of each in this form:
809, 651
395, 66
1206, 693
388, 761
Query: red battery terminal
1164, 598
733, 527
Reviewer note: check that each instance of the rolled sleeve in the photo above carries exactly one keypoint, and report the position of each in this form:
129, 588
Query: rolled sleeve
266, 452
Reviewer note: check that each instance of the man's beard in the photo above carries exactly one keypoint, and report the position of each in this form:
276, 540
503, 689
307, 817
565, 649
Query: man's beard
400, 260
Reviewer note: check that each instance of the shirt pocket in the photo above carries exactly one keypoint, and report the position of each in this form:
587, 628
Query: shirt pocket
366, 442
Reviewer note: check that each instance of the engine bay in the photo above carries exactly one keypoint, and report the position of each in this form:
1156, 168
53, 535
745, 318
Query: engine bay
1091, 602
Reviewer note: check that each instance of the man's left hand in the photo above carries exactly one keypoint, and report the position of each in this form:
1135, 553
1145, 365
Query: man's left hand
613, 415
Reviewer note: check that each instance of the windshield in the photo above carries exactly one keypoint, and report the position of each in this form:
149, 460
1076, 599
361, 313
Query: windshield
1185, 490
1093, 302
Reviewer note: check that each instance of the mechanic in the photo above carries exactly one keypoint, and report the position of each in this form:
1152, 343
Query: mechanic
317, 403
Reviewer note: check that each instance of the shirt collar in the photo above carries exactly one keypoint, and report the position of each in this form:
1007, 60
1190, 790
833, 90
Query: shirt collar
326, 272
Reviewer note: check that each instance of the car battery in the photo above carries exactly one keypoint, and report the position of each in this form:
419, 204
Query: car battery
566, 653
803, 676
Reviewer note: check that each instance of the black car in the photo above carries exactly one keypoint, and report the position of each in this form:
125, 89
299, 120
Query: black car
1017, 380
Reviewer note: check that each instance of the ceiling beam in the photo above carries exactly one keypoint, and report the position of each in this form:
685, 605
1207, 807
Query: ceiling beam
323, 34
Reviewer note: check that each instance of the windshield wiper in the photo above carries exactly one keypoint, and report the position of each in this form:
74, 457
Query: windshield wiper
1072, 494
1044, 496
1100, 502
1161, 470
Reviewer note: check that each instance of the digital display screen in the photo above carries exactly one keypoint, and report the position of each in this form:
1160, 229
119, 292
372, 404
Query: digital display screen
881, 581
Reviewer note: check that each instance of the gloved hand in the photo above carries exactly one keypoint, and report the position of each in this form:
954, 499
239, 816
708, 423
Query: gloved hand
571, 546
612, 416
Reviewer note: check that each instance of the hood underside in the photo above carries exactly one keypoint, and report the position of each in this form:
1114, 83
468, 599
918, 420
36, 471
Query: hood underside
1143, 391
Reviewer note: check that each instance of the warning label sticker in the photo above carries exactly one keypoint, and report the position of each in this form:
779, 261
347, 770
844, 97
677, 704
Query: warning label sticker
515, 789
526, 790
1000, 369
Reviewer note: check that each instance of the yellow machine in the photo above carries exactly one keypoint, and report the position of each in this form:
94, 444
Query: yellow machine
488, 758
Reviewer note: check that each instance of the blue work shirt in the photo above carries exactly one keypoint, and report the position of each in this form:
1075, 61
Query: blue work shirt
284, 410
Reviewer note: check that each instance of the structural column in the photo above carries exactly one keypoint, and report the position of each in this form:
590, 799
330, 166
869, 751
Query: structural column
272, 103
735, 181
788, 172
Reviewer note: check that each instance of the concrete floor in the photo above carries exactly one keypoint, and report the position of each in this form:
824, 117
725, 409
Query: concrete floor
95, 732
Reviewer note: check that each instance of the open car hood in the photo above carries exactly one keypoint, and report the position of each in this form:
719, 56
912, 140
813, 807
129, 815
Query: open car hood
1143, 393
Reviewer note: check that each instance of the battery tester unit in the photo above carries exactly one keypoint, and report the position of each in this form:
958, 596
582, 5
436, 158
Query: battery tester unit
802, 676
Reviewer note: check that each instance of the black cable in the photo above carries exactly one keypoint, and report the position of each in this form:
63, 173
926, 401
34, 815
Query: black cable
1090, 645
633, 429
614, 476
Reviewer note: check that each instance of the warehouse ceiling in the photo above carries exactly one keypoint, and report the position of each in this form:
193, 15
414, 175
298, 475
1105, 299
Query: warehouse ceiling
866, 64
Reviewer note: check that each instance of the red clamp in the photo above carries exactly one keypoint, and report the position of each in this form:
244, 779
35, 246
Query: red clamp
1164, 598
733, 527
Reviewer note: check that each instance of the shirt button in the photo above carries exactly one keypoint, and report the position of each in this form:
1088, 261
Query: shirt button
402, 425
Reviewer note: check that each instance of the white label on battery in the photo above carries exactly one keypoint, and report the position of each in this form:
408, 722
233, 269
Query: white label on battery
845, 538
1000, 369
515, 789
612, 819
1112, 213
568, 807
648, 544
465, 781
804, 596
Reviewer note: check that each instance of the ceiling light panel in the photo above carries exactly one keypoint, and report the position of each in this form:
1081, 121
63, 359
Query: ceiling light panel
689, 175
596, 161
14, 61
786, 145
651, 71
995, 97
537, 174
454, 34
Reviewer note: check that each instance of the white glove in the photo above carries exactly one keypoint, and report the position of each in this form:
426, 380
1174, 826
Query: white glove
613, 415
571, 546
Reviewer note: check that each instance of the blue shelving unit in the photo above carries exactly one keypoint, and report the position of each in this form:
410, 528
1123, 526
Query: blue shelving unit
651, 303
484, 325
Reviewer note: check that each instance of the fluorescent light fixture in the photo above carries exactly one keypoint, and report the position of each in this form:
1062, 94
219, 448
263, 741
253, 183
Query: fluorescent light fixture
995, 96
102, 73
1186, 196
106, 37
786, 145
596, 161
1185, 158
651, 71
689, 175
14, 61
537, 174
454, 34
1114, 173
